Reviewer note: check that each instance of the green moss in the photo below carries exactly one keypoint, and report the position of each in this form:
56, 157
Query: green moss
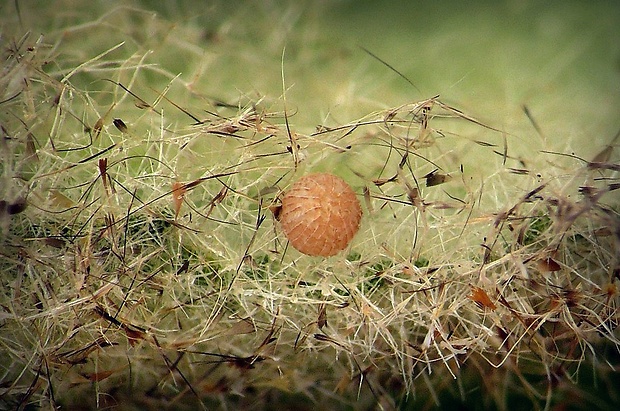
537, 227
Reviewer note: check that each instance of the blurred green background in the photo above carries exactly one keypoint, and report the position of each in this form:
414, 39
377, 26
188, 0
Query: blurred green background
560, 58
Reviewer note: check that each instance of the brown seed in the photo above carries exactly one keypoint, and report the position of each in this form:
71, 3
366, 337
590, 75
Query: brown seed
320, 214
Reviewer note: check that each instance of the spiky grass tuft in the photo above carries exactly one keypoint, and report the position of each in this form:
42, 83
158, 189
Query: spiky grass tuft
143, 267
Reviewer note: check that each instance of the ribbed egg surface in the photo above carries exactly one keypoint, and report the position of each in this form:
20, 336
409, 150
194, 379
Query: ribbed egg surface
320, 214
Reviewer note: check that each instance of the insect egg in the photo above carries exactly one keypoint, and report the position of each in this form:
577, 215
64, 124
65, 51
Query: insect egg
320, 214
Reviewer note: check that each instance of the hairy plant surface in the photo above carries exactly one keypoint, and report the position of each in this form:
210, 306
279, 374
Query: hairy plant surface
144, 154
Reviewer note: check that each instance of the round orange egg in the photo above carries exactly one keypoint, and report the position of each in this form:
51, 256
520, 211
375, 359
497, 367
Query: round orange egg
320, 214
